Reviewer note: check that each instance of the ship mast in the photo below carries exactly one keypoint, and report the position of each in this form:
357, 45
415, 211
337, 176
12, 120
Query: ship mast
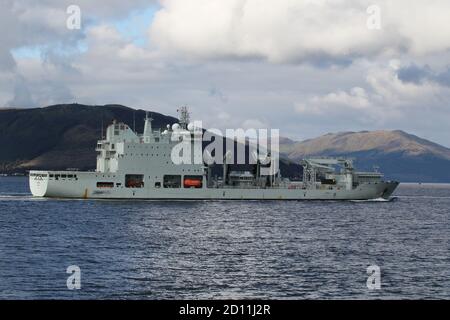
184, 117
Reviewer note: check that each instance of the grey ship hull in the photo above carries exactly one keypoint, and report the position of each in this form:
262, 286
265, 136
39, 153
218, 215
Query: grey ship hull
85, 187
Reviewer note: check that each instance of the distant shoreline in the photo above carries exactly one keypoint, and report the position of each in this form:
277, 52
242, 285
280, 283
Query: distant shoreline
13, 174
425, 183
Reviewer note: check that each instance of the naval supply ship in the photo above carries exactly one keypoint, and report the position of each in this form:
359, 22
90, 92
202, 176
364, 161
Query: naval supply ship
140, 166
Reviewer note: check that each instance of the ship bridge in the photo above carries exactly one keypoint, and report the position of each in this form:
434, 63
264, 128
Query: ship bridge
148, 156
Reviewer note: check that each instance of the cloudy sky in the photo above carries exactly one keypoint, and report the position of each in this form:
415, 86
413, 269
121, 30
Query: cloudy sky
307, 67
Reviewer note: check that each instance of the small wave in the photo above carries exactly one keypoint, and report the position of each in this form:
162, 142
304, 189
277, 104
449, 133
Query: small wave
422, 197
14, 194
17, 197
376, 200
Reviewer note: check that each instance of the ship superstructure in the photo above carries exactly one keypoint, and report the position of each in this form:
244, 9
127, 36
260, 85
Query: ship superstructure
141, 166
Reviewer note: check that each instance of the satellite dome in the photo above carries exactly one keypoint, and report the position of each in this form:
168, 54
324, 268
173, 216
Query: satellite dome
175, 127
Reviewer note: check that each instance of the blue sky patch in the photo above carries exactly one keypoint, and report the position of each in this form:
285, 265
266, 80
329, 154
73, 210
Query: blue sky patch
136, 25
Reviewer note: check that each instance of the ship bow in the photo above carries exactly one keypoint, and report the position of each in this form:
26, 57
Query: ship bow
389, 189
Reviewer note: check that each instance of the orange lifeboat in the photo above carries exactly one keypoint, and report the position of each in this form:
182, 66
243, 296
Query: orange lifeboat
192, 183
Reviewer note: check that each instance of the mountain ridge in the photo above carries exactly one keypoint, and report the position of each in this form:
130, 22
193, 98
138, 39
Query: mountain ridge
350, 141
403, 156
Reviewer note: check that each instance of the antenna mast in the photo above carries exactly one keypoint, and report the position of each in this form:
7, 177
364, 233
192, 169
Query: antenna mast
101, 117
184, 117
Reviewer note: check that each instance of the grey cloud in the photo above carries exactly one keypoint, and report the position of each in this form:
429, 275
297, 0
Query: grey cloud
27, 23
417, 74
98, 8
55, 92
43, 94
22, 95
414, 73
64, 63
444, 77
215, 92
7, 62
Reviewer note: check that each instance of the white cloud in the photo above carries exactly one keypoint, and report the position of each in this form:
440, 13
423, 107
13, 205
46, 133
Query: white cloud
356, 98
300, 30
386, 100
255, 124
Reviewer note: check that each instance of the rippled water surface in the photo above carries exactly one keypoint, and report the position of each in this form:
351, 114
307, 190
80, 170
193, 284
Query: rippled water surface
236, 249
